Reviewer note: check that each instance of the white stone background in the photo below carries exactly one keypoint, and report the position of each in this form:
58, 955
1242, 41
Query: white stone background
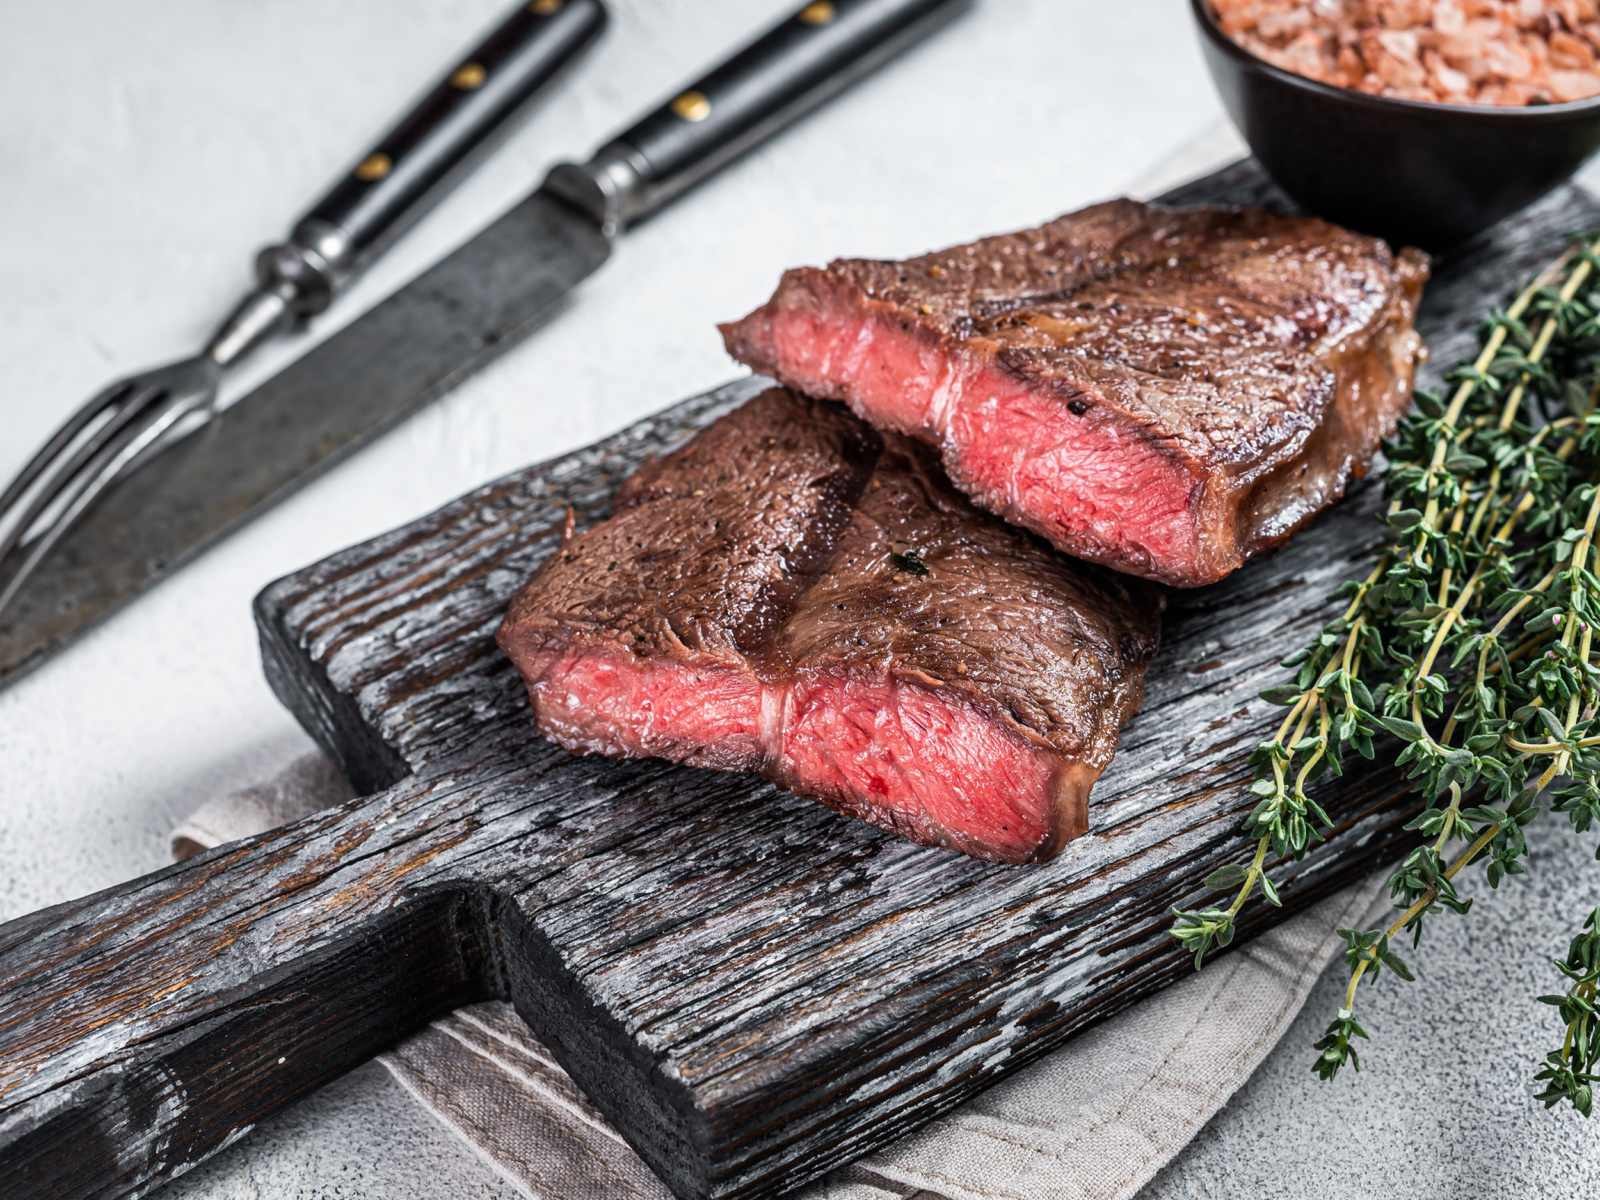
149, 147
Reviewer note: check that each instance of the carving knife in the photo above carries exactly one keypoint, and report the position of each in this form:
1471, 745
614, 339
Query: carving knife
449, 321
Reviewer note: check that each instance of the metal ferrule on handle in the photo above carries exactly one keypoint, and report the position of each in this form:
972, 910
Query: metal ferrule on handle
821, 49
410, 167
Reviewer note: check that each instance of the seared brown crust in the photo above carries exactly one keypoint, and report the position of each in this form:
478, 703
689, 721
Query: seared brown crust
756, 562
1259, 356
1050, 647
708, 547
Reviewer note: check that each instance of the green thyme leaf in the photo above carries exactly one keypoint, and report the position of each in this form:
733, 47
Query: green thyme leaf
1230, 876
908, 558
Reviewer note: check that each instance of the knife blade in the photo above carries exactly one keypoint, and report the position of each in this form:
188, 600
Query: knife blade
436, 330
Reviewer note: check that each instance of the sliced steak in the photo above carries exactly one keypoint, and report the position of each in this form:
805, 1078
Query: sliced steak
1163, 392
795, 594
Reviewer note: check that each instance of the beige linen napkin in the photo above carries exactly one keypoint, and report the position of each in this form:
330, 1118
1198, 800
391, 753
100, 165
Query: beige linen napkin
1092, 1121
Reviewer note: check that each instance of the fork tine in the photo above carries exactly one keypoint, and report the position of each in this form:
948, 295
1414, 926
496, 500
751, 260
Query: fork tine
60, 440
61, 477
106, 466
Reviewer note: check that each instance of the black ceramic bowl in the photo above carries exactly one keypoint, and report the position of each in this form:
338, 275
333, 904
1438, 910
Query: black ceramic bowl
1415, 173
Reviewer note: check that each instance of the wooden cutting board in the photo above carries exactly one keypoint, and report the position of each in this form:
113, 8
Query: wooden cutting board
752, 988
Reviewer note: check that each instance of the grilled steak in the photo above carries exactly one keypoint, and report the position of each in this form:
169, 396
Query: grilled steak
1163, 392
795, 594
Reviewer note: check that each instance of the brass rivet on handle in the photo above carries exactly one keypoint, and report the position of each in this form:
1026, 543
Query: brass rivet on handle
545, 8
820, 12
468, 76
373, 166
692, 106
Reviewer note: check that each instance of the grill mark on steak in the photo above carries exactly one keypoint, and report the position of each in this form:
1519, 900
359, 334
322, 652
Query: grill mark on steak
756, 619
1164, 392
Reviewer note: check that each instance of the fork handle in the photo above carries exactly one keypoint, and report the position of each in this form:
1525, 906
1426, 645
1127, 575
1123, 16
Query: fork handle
421, 157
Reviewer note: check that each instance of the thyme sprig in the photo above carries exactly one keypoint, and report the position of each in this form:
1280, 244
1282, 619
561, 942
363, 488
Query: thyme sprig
1470, 642
1568, 1072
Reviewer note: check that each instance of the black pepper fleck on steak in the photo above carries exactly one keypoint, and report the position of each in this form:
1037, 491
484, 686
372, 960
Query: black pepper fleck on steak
1163, 392
765, 613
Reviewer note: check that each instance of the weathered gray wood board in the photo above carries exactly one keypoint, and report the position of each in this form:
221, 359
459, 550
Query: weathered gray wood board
751, 987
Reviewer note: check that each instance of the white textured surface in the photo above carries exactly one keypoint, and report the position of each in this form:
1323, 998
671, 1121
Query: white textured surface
1443, 1108
148, 147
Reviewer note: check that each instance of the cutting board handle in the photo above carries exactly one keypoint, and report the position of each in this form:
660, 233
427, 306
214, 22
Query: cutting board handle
147, 1026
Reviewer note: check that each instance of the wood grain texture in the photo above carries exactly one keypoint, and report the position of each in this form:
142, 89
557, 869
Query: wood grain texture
753, 989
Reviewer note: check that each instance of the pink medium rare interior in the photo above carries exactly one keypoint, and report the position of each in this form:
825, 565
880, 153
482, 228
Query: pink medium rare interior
936, 763
901, 755
625, 706
1019, 452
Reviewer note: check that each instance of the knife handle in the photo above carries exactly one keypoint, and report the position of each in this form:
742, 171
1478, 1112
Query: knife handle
415, 162
821, 49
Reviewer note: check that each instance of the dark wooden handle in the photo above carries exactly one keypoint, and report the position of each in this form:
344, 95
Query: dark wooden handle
785, 73
146, 1027
391, 185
